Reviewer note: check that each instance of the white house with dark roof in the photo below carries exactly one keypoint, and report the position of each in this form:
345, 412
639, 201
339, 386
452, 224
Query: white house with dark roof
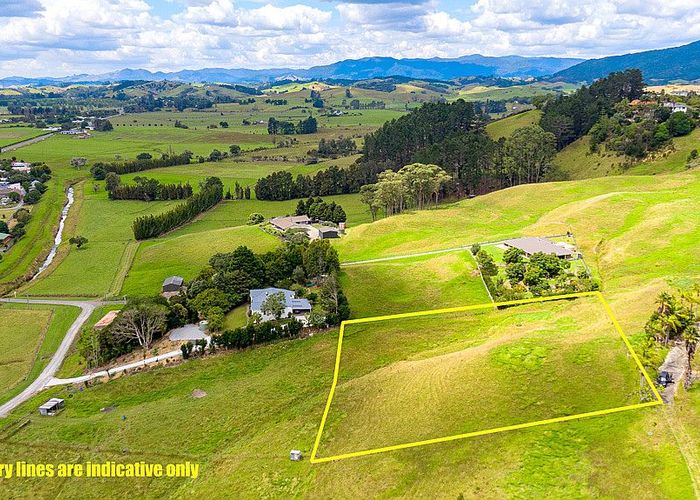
294, 307
531, 245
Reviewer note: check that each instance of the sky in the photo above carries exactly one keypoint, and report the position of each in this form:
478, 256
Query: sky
67, 37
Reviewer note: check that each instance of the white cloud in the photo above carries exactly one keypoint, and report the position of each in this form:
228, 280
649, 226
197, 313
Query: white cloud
58, 37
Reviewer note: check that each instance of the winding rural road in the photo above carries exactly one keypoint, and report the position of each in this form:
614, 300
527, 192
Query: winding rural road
86, 309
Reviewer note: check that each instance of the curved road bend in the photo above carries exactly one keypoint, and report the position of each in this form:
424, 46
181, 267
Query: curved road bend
86, 309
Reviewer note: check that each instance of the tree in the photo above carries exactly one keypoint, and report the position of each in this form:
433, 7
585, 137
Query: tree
255, 218
320, 258
274, 305
215, 319
680, 124
112, 180
78, 241
3, 227
32, 197
529, 152
235, 150
142, 323
209, 299
513, 255
486, 263
90, 347
144, 156
78, 162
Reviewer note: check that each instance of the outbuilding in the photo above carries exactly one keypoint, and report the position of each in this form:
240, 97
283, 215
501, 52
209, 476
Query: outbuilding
173, 284
52, 407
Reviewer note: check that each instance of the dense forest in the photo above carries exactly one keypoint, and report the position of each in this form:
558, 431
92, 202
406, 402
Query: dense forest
572, 116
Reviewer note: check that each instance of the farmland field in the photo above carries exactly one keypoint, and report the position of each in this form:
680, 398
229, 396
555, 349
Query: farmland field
13, 134
413, 379
31, 334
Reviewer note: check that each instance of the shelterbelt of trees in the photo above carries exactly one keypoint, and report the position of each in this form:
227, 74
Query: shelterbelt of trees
150, 226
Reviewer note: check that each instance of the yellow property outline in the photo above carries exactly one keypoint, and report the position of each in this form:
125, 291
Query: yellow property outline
601, 299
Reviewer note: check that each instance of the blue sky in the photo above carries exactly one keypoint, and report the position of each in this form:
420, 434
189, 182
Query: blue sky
62, 37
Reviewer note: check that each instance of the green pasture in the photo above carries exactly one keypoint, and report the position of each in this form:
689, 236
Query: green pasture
506, 126
413, 284
30, 335
249, 438
474, 371
11, 134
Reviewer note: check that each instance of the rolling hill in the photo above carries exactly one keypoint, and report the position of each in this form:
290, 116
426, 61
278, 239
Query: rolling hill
658, 66
351, 69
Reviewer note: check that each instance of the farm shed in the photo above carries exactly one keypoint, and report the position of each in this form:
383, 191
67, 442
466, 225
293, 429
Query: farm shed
173, 284
52, 407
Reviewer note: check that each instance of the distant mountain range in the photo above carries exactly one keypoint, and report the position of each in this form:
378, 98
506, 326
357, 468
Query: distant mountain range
658, 66
359, 69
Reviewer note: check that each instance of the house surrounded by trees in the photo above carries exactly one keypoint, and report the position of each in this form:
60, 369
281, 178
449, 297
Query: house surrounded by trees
277, 303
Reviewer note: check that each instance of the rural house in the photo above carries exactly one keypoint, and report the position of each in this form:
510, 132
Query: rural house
531, 245
294, 307
676, 107
304, 223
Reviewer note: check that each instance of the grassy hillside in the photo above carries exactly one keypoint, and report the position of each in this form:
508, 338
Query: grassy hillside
638, 233
577, 162
506, 126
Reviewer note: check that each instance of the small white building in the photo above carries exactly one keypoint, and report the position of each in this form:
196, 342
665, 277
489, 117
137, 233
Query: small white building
676, 107
52, 407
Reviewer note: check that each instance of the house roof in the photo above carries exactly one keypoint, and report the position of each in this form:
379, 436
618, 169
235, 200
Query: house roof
51, 403
531, 245
174, 280
106, 320
258, 296
290, 221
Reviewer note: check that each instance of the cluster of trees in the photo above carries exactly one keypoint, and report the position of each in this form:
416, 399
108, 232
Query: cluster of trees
540, 274
276, 102
450, 135
145, 189
635, 131
307, 126
282, 185
142, 162
317, 209
239, 192
569, 117
677, 319
181, 102
141, 323
413, 186
329, 148
226, 282
356, 104
256, 333
150, 226
21, 217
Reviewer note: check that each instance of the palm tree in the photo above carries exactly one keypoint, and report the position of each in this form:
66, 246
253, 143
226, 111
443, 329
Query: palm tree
691, 337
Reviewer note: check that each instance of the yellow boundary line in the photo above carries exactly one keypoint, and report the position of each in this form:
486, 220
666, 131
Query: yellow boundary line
658, 401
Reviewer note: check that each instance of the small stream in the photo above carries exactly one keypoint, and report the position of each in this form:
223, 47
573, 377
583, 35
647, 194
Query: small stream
59, 235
